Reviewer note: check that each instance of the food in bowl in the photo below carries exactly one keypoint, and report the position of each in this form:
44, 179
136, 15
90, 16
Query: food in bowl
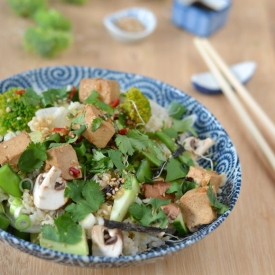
90, 170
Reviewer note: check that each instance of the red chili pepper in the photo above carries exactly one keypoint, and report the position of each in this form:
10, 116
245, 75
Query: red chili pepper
74, 172
123, 131
114, 103
61, 131
72, 93
20, 92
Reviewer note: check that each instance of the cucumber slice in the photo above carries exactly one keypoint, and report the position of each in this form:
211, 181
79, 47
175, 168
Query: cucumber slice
80, 248
122, 203
179, 225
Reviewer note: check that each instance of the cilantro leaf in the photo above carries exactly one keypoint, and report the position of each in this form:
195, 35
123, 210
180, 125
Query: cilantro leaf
176, 110
124, 145
157, 203
174, 170
65, 230
138, 140
96, 124
146, 215
183, 126
220, 207
51, 96
116, 157
94, 99
87, 197
32, 158
30, 97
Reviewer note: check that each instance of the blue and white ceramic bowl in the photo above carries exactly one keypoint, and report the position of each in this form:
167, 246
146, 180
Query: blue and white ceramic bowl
223, 153
145, 16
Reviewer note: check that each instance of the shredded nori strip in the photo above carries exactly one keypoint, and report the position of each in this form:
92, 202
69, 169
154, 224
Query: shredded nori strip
126, 226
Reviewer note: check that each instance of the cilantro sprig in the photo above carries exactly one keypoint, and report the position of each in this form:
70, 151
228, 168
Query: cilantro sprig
87, 198
65, 230
151, 212
32, 158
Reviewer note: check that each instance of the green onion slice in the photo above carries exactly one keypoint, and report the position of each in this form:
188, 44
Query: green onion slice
22, 222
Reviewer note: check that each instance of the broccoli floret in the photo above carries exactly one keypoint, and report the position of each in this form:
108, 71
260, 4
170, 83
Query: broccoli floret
46, 42
27, 7
52, 19
15, 111
76, 2
136, 106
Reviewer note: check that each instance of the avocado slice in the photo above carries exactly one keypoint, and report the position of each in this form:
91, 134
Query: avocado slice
80, 248
122, 203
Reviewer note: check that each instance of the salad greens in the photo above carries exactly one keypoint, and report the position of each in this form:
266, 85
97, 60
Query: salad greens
141, 176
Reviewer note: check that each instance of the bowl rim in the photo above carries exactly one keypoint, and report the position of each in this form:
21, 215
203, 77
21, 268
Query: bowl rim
33, 249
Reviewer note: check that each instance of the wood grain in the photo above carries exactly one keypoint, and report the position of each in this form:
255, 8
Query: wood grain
244, 243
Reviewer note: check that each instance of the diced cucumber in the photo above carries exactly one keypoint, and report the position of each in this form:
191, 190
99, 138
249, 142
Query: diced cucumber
81, 248
122, 203
9, 181
179, 225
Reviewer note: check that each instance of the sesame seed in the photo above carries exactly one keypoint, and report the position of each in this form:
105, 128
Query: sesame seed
18, 118
8, 109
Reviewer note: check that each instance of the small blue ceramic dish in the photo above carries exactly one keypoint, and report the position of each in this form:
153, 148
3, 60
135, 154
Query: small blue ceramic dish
144, 16
205, 82
199, 19
223, 154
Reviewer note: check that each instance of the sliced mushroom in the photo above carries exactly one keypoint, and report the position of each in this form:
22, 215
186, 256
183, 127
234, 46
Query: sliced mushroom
106, 242
49, 190
198, 146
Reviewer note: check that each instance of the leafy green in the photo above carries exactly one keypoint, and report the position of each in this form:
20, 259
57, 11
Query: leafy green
32, 158
30, 97
220, 207
87, 197
124, 145
149, 213
96, 124
94, 99
52, 96
65, 230
116, 157
176, 110
183, 126
175, 170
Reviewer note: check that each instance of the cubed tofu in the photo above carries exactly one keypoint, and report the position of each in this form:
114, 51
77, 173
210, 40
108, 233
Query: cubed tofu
171, 210
101, 136
109, 90
64, 157
203, 177
157, 190
11, 150
196, 208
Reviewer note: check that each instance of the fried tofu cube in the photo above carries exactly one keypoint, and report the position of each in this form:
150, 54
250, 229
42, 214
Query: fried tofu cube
11, 150
64, 157
196, 208
157, 190
109, 90
203, 177
101, 136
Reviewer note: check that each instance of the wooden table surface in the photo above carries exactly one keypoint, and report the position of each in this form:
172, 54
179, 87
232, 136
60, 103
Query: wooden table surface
245, 242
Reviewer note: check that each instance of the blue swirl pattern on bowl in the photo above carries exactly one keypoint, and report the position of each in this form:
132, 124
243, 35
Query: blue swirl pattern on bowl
223, 153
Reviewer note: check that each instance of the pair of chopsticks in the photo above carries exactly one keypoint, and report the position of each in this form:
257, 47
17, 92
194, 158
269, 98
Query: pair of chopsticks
227, 81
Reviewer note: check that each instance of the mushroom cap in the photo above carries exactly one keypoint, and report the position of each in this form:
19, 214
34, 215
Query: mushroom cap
49, 188
106, 242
